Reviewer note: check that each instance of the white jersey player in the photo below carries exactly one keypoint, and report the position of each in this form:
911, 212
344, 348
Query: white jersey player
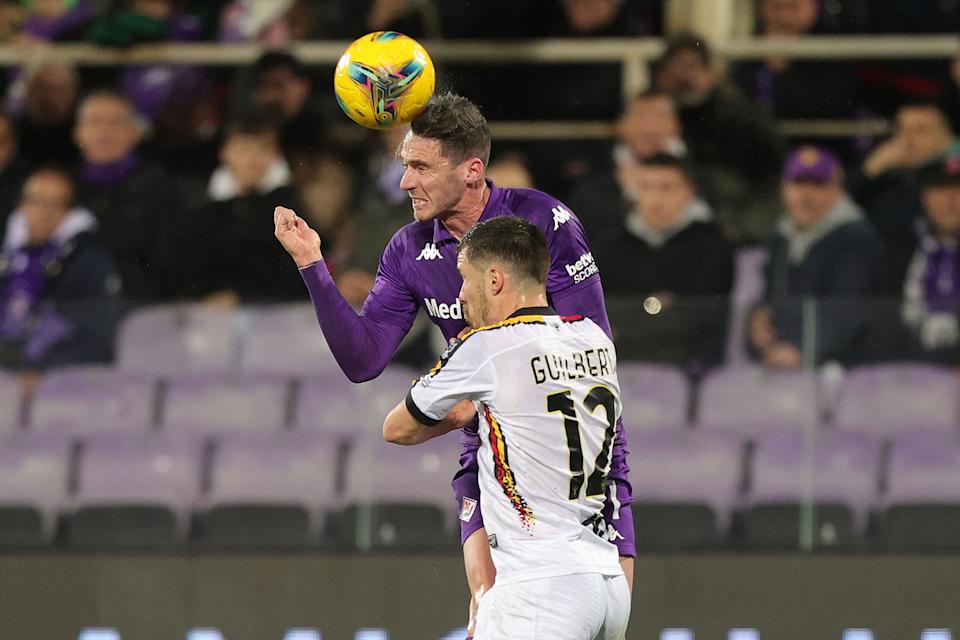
547, 393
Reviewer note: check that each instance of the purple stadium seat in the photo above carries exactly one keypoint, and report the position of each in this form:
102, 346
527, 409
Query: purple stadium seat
844, 470
291, 468
751, 399
118, 470
653, 395
891, 398
378, 471
692, 466
216, 403
90, 399
748, 287
924, 468
33, 473
170, 339
10, 403
332, 404
286, 340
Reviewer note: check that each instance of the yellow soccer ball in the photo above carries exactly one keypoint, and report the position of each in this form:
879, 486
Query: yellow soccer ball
384, 79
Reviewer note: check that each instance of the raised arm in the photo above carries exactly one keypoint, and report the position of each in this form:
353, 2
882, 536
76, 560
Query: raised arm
361, 343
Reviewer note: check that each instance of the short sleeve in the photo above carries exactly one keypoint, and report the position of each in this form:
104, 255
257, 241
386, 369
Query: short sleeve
464, 372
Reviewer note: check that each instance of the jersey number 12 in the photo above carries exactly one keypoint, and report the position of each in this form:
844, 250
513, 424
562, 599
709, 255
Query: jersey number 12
562, 403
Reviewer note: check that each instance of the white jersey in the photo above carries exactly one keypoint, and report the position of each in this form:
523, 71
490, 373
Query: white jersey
546, 391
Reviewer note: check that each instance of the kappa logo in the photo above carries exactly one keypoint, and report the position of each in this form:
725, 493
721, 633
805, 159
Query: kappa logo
467, 509
430, 252
560, 216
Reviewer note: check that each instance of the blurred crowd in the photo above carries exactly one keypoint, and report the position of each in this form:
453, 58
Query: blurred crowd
146, 184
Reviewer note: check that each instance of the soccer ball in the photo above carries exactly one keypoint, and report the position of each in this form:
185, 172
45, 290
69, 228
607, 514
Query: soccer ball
383, 79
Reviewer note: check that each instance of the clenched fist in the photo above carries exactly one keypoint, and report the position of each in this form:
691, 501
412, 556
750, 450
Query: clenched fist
296, 236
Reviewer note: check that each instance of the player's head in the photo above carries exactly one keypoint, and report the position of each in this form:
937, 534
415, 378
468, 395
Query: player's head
504, 263
445, 155
662, 187
46, 199
250, 149
108, 127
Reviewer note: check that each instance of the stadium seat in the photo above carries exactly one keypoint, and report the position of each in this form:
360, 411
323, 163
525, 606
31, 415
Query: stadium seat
332, 404
748, 286
82, 400
286, 340
840, 473
397, 497
267, 490
10, 403
751, 399
921, 506
211, 404
34, 468
171, 339
135, 492
653, 395
890, 398
685, 484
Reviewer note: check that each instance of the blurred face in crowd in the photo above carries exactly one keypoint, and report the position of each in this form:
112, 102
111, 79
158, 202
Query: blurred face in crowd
282, 91
808, 201
942, 204
45, 202
661, 194
51, 95
510, 172
923, 132
435, 183
8, 141
587, 16
107, 129
788, 17
156, 9
648, 125
686, 77
49, 9
248, 157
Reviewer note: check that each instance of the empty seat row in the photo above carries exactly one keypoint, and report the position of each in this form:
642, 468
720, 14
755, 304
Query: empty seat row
161, 489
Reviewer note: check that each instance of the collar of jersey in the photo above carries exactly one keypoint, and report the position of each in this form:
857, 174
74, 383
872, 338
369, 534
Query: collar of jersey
440, 233
532, 311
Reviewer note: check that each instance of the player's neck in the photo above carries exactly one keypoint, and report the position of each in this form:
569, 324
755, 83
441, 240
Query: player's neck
520, 300
459, 220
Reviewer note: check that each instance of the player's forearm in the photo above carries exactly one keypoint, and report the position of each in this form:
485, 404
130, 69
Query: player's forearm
361, 347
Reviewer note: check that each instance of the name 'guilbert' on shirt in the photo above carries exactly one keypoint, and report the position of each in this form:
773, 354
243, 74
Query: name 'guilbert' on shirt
572, 366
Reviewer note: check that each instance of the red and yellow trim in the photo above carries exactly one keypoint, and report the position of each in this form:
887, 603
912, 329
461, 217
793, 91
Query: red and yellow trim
503, 473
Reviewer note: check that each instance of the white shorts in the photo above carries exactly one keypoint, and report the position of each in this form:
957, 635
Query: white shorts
584, 606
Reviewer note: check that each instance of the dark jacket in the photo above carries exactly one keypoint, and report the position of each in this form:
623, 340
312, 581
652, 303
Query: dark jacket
74, 317
837, 265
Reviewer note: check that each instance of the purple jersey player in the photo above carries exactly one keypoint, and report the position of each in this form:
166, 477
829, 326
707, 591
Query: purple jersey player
445, 156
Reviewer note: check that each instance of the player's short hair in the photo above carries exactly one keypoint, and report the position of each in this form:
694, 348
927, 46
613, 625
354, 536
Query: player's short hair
457, 123
665, 160
510, 240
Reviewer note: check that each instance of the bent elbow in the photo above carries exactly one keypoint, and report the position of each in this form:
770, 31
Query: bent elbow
393, 434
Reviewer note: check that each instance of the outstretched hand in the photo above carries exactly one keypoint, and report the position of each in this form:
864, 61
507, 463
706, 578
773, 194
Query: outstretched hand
296, 236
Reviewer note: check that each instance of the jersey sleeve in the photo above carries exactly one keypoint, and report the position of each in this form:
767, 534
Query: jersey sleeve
571, 261
464, 372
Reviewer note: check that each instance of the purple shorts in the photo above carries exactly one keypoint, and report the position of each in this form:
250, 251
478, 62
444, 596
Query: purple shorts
466, 484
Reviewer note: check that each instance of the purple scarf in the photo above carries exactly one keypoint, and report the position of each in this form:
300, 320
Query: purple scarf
941, 287
26, 280
108, 175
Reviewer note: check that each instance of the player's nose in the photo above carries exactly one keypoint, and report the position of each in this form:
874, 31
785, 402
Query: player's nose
407, 181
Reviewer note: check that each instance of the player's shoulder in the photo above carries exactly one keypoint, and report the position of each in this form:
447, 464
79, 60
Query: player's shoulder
538, 207
411, 236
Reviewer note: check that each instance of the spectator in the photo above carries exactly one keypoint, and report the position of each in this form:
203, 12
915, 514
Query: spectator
796, 88
649, 125
823, 248
511, 170
283, 89
13, 170
139, 206
729, 139
241, 259
609, 18
887, 185
46, 95
145, 21
931, 291
273, 23
59, 288
668, 247
58, 20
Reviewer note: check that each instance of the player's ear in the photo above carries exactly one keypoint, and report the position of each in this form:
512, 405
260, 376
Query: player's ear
495, 279
475, 170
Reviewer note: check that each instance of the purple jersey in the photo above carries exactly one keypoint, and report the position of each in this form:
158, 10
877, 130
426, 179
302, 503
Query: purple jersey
418, 269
